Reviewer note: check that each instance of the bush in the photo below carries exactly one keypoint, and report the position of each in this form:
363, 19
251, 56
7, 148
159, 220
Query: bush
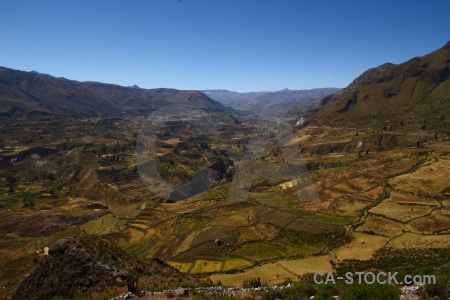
369, 292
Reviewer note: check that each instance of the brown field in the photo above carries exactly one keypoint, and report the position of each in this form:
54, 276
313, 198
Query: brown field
255, 233
188, 206
336, 202
401, 212
403, 198
438, 220
381, 226
414, 240
347, 205
242, 217
429, 180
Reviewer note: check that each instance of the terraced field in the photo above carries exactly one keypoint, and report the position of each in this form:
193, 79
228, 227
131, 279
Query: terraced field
367, 205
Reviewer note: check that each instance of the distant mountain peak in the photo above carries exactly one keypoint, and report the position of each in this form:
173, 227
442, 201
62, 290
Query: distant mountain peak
42, 74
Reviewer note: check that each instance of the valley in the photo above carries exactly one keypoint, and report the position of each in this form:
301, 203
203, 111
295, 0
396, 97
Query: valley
342, 190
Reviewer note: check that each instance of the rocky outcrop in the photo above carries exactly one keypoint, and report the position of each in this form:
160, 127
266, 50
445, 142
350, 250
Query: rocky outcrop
84, 265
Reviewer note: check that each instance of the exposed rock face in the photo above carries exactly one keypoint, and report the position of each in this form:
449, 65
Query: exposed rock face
414, 292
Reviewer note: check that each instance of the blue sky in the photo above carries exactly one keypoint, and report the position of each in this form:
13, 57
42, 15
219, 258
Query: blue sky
241, 45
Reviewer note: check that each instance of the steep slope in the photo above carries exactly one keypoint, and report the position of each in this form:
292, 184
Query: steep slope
260, 100
409, 96
88, 266
31, 95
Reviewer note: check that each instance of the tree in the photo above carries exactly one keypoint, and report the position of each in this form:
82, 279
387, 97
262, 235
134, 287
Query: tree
11, 182
132, 283
28, 199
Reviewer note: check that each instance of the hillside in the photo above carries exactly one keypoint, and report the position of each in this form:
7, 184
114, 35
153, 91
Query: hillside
86, 265
31, 95
260, 100
409, 96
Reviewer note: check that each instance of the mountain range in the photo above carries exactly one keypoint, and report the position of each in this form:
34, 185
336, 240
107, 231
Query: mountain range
261, 100
32, 95
412, 95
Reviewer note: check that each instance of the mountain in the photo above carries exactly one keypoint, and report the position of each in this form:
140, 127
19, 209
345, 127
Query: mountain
32, 95
412, 95
259, 100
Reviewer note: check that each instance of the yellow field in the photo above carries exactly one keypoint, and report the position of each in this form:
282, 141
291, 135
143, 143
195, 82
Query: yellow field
358, 250
104, 225
182, 267
271, 273
234, 264
274, 273
311, 264
206, 266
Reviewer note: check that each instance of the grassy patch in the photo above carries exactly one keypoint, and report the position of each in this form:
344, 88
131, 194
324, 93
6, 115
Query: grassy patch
187, 224
259, 251
299, 243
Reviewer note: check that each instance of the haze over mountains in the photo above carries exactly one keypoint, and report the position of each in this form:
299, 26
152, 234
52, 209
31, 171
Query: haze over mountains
259, 100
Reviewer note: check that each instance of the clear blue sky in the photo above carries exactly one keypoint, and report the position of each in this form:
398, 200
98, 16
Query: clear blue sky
241, 45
